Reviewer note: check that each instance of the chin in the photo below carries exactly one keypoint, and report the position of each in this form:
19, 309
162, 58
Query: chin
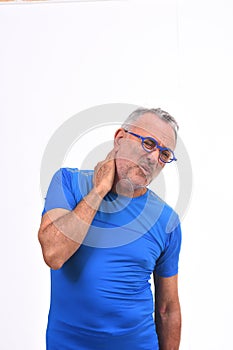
136, 177
139, 181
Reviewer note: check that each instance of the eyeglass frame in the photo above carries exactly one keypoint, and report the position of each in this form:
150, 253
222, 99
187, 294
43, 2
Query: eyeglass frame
157, 146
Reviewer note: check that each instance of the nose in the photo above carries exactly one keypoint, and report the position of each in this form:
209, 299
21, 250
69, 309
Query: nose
153, 157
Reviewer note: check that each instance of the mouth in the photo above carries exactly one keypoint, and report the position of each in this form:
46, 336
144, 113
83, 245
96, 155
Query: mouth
145, 169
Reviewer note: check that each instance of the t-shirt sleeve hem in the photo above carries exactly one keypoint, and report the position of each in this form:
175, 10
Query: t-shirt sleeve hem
167, 274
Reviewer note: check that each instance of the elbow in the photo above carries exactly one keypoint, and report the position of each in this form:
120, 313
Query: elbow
162, 315
166, 311
53, 262
173, 318
49, 254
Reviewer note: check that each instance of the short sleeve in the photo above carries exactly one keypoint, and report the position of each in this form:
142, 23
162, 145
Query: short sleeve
167, 263
60, 193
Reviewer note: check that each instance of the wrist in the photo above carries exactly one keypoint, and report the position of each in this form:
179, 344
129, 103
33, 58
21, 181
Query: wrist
100, 191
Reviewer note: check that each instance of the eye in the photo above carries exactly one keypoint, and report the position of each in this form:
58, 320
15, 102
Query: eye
166, 155
149, 144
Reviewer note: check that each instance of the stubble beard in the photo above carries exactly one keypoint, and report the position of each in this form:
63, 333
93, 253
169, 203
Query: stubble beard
135, 177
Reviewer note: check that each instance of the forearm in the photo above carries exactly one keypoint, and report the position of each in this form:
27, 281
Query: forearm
63, 236
168, 327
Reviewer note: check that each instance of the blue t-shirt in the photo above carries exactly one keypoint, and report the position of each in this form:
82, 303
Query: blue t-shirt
101, 298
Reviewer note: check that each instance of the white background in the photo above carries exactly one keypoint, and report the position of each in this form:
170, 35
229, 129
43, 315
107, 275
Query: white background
60, 58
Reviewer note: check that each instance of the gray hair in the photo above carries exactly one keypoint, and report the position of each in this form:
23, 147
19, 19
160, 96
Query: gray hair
165, 116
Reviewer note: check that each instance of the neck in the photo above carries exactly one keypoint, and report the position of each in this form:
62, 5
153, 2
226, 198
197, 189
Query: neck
125, 188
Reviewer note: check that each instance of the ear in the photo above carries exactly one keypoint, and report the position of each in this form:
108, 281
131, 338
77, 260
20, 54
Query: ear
119, 135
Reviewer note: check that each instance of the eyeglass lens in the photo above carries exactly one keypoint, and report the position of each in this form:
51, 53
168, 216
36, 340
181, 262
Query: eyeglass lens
164, 155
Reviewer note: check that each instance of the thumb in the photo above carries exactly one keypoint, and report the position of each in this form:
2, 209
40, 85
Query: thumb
111, 154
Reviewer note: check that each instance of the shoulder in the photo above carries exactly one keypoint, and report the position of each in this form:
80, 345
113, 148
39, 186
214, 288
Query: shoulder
70, 173
168, 218
79, 181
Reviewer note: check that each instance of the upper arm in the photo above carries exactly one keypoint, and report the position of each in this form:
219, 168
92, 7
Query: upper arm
166, 293
59, 199
60, 193
167, 263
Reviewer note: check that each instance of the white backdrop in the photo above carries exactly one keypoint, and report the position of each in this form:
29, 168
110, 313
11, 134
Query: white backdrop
57, 59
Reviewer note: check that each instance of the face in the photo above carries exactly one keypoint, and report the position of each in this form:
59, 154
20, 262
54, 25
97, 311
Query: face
133, 163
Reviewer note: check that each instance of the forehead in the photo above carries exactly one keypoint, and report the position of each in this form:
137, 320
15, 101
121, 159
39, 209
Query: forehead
150, 124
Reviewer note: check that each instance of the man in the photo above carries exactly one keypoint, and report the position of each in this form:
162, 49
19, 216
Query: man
103, 233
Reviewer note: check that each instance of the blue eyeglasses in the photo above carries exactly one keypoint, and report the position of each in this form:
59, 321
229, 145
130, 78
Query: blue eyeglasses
149, 144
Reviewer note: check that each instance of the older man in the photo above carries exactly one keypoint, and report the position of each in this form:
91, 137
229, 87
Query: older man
103, 233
